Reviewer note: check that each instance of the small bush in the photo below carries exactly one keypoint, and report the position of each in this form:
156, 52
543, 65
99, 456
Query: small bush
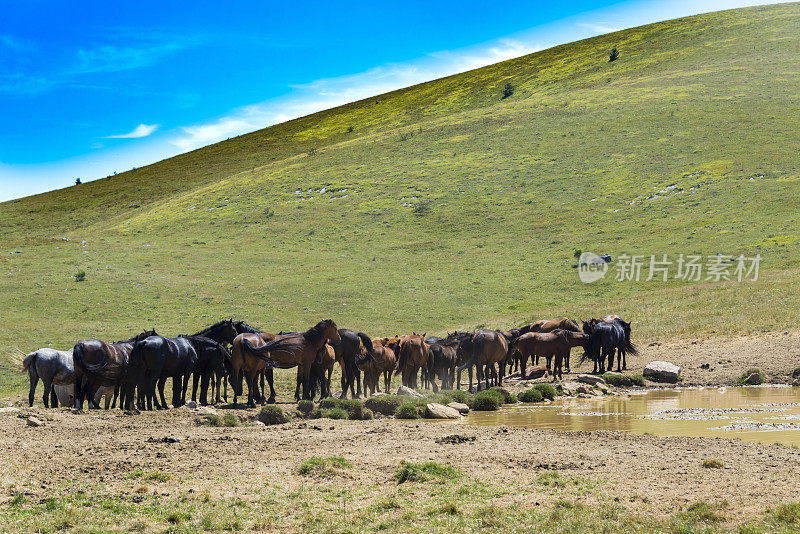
613, 55
532, 395
305, 407
414, 472
272, 415
80, 276
323, 467
508, 90
547, 391
329, 402
712, 463
367, 415
227, 420
485, 401
384, 404
407, 410
796, 373
705, 512
334, 413
617, 379
752, 377
638, 380
507, 396
786, 514
422, 207
457, 395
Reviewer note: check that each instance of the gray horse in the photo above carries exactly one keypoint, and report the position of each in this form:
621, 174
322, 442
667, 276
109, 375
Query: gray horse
53, 367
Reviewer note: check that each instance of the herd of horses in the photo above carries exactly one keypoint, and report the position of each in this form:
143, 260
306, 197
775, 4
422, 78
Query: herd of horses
136, 370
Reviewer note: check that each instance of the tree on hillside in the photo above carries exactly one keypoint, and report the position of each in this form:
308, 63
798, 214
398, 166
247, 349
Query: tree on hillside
614, 55
78, 181
508, 90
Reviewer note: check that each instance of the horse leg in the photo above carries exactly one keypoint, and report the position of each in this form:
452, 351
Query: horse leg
523, 366
34, 381
185, 387
297, 388
624, 360
549, 360
53, 397
270, 381
307, 380
251, 400
204, 389
161, 383
566, 360
195, 378
46, 398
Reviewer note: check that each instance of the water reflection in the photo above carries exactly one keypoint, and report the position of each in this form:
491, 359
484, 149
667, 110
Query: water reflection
763, 414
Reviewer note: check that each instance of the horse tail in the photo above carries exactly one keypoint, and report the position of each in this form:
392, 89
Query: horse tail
366, 341
260, 352
630, 348
588, 349
401, 358
28, 359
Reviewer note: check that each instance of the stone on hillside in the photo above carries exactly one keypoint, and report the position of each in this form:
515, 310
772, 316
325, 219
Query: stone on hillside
206, 410
32, 421
537, 371
439, 411
192, 405
462, 408
591, 379
662, 372
9, 409
403, 390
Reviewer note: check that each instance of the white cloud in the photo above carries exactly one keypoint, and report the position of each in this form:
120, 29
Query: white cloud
331, 92
143, 130
600, 28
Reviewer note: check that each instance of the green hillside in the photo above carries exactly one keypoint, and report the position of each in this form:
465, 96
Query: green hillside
444, 205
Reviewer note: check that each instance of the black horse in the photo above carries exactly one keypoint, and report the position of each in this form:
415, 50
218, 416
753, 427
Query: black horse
596, 344
348, 354
154, 360
213, 362
443, 361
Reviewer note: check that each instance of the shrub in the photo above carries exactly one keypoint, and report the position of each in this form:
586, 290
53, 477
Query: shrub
272, 415
712, 463
384, 404
305, 407
512, 399
366, 415
638, 380
705, 512
506, 395
532, 395
414, 472
80, 276
752, 377
334, 413
787, 514
547, 391
613, 55
796, 373
353, 407
422, 207
227, 420
323, 467
457, 395
407, 410
485, 401
508, 90
329, 402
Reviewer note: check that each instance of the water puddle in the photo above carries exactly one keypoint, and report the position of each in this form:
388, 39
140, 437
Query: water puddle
762, 414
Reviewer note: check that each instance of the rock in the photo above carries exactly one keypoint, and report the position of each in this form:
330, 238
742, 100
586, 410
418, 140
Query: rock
602, 388
32, 421
462, 408
378, 394
403, 390
662, 372
192, 405
753, 379
591, 379
583, 390
439, 411
9, 409
206, 410
583, 396
537, 371
795, 382
258, 423
569, 388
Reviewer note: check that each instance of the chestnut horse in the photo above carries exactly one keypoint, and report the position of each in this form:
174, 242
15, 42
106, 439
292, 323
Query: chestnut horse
381, 359
548, 325
246, 365
295, 350
414, 355
548, 344
487, 347
322, 369
98, 363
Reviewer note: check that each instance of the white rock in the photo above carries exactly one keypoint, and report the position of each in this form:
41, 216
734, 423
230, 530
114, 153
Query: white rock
206, 410
9, 409
192, 405
403, 390
439, 411
462, 408
32, 421
659, 371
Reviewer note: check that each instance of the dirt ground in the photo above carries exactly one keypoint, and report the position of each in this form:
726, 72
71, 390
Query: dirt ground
647, 474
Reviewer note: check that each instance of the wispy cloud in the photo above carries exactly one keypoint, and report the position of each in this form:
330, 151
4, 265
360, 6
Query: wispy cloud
15, 43
598, 27
143, 130
331, 92
110, 58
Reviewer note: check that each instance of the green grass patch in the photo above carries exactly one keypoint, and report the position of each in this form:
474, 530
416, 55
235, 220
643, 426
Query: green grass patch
334, 413
227, 420
149, 476
305, 407
384, 404
547, 391
273, 415
486, 401
323, 467
407, 410
712, 463
420, 472
752, 377
531, 395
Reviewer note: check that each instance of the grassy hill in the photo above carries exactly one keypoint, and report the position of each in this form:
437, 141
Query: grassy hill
444, 205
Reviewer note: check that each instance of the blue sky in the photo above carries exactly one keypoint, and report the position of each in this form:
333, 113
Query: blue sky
90, 88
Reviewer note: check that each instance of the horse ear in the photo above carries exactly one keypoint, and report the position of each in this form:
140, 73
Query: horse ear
425, 334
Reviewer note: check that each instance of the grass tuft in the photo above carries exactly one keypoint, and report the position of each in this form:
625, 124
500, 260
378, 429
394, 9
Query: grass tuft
419, 472
323, 467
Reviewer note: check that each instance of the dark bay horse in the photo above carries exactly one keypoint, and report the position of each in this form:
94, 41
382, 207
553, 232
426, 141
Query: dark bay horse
488, 347
414, 355
296, 350
245, 365
556, 344
98, 363
602, 334
382, 359
443, 361
213, 364
548, 325
349, 352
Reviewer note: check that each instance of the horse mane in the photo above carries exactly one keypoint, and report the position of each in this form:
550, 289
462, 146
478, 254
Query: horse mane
138, 337
244, 328
315, 333
214, 326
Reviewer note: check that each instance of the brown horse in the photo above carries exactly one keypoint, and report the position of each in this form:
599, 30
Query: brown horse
245, 365
98, 363
381, 360
323, 367
488, 347
414, 354
548, 344
295, 350
548, 325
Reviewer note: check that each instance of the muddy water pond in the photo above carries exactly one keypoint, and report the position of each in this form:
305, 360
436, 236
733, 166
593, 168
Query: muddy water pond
765, 414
